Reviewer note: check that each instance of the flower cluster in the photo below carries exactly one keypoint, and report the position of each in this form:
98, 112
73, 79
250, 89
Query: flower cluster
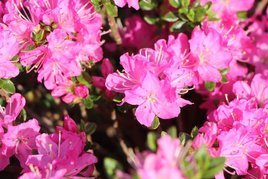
155, 78
238, 130
56, 155
56, 38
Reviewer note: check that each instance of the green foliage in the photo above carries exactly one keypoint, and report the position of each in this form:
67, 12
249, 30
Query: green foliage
151, 141
210, 86
111, 9
201, 165
155, 123
7, 85
184, 17
172, 131
148, 5
111, 166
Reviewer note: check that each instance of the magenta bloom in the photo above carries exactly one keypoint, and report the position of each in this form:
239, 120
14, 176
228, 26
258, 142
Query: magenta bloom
12, 110
210, 53
154, 98
9, 47
21, 139
60, 154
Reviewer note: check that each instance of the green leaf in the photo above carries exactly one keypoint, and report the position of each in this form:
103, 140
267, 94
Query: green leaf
185, 3
90, 128
88, 102
151, 20
170, 17
172, 131
210, 86
7, 85
111, 9
224, 79
174, 3
215, 166
194, 132
177, 26
81, 79
225, 71
111, 166
191, 15
151, 141
200, 13
24, 115
148, 5
184, 138
155, 123
242, 15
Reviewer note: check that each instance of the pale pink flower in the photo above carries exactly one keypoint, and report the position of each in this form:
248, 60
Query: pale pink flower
131, 3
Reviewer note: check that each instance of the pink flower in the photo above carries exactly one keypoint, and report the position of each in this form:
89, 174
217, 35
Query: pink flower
210, 53
154, 98
4, 153
21, 139
163, 163
99, 82
81, 91
9, 47
61, 153
237, 145
135, 28
258, 89
131, 3
12, 110
131, 78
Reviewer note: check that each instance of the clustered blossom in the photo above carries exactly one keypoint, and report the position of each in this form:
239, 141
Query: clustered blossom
155, 78
57, 39
58, 155
224, 60
153, 81
237, 130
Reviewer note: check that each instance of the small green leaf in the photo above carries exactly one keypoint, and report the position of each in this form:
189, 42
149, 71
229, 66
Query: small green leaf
90, 128
111, 166
111, 9
215, 166
224, 79
174, 3
210, 86
191, 15
151, 20
7, 85
155, 123
200, 13
170, 17
194, 132
184, 138
242, 15
151, 141
225, 71
172, 131
88, 102
185, 3
24, 115
81, 79
177, 26
148, 5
